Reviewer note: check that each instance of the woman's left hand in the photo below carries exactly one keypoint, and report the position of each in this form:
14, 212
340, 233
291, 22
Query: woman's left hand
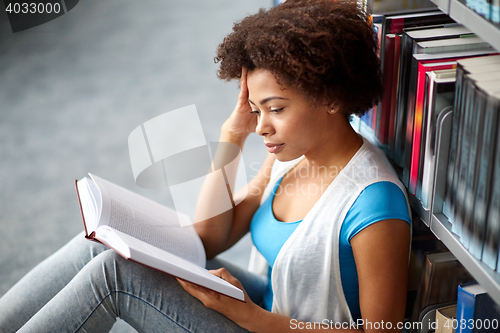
239, 312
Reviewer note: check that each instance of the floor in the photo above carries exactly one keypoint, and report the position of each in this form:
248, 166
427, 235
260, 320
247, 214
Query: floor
72, 90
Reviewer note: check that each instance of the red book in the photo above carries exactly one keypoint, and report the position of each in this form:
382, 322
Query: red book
394, 93
385, 105
423, 68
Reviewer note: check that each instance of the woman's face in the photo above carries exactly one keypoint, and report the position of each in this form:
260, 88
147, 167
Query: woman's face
290, 126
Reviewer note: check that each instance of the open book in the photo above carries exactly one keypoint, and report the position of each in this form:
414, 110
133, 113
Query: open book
144, 231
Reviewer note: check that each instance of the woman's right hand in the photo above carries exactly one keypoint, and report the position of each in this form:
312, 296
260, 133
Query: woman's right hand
241, 122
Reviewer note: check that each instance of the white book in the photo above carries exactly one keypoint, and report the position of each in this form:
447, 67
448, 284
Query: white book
438, 101
144, 231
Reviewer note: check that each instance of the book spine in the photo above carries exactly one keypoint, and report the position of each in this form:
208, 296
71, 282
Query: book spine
465, 309
385, 105
404, 70
377, 116
429, 151
441, 96
410, 117
394, 94
457, 114
425, 137
463, 159
492, 237
477, 127
484, 176
417, 128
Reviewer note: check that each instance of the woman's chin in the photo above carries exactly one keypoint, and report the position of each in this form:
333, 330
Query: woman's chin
284, 157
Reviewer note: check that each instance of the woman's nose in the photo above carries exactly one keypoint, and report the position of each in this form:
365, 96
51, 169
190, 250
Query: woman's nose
264, 126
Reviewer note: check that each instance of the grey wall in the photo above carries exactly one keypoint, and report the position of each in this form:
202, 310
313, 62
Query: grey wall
72, 90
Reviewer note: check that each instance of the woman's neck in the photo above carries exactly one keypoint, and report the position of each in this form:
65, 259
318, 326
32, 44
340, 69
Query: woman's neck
339, 146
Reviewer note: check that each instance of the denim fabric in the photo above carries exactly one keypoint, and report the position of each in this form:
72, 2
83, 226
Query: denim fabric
85, 286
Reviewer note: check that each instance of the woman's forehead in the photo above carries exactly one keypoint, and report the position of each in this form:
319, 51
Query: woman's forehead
261, 80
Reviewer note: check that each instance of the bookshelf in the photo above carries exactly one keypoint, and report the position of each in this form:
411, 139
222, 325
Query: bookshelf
433, 217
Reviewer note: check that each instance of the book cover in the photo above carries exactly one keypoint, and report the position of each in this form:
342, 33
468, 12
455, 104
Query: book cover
446, 319
441, 96
424, 67
464, 66
466, 149
146, 232
462, 155
439, 278
483, 180
481, 82
385, 103
394, 23
394, 94
491, 246
440, 47
476, 311
408, 39
462, 43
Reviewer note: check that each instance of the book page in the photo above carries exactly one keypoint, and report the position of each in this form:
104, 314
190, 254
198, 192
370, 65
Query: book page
148, 221
88, 206
146, 254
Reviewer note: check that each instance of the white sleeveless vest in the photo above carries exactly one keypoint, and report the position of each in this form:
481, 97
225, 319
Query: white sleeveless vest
306, 275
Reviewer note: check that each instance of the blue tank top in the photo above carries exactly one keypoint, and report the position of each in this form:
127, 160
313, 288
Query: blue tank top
377, 202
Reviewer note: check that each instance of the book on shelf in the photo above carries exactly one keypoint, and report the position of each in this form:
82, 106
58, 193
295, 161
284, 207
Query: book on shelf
406, 106
394, 94
468, 126
393, 24
428, 120
409, 108
439, 278
480, 88
483, 187
491, 245
446, 319
439, 104
144, 231
386, 110
408, 38
476, 311
384, 106
464, 66
420, 91
455, 44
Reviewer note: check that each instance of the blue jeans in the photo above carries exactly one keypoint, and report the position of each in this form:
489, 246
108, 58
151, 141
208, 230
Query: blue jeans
85, 286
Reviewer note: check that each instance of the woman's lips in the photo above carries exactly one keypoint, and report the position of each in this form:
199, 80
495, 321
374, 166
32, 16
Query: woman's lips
274, 148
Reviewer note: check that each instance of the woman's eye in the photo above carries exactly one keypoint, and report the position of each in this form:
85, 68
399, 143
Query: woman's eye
255, 111
276, 110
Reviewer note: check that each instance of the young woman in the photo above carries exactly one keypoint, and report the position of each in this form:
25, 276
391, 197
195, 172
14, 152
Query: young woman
328, 216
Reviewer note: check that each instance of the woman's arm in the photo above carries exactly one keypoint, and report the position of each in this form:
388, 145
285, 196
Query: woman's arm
381, 252
222, 231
